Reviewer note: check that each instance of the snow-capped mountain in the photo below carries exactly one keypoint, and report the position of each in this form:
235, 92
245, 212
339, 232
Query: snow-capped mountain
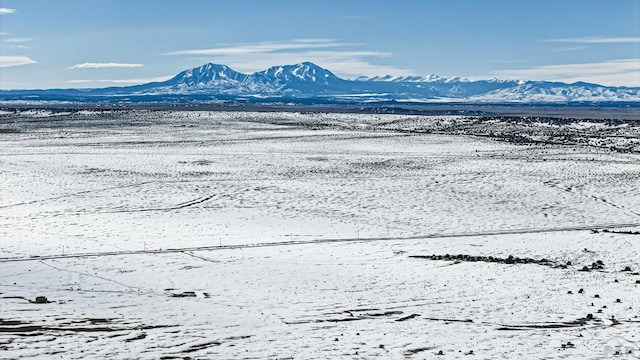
207, 76
543, 91
413, 78
305, 72
299, 79
303, 78
310, 81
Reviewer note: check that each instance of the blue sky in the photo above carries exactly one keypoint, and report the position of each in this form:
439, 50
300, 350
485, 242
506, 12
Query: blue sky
98, 43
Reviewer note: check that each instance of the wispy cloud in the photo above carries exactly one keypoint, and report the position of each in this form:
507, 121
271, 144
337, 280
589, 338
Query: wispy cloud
17, 40
4, 11
121, 81
260, 48
339, 57
574, 48
623, 72
14, 42
7, 61
597, 40
91, 65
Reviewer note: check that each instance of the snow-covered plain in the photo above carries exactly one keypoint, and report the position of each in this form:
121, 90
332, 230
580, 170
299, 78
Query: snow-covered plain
110, 215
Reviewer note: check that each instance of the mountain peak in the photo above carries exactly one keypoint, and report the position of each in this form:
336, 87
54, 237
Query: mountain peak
208, 75
306, 72
308, 80
209, 68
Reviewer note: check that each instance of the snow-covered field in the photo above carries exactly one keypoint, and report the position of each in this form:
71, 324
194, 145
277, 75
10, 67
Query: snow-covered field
234, 235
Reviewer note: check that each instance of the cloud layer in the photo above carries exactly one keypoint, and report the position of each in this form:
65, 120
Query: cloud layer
4, 11
17, 40
623, 72
7, 61
338, 57
121, 81
91, 65
598, 40
261, 48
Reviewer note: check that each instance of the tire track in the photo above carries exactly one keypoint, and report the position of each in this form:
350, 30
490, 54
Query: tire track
175, 207
574, 191
317, 241
80, 193
99, 277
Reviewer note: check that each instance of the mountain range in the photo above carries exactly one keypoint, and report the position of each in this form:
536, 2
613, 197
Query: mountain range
310, 81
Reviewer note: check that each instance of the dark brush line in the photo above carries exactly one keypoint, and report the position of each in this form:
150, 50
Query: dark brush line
317, 241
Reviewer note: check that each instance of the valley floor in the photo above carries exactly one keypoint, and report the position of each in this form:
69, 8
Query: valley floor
238, 235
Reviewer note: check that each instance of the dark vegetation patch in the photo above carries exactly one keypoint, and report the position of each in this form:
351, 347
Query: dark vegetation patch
18, 327
493, 259
411, 352
552, 325
621, 232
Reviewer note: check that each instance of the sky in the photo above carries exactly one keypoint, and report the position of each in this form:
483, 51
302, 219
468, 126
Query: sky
100, 43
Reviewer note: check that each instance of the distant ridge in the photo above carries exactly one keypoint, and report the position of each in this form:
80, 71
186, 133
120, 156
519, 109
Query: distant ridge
307, 80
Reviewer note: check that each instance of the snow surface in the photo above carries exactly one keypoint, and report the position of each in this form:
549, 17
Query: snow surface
110, 214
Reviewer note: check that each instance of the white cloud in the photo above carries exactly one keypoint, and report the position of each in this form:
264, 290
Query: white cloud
90, 65
624, 72
263, 47
574, 48
598, 40
121, 81
315, 40
7, 61
331, 54
4, 11
17, 40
